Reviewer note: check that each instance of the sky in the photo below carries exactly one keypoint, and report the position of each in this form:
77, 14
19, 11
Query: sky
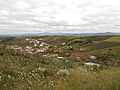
59, 16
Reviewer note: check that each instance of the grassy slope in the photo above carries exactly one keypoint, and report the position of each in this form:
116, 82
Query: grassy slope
25, 72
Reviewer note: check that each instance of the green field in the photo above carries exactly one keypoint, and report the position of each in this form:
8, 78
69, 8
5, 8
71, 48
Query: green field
113, 39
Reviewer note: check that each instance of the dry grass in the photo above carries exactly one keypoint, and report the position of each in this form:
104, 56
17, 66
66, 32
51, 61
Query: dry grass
85, 80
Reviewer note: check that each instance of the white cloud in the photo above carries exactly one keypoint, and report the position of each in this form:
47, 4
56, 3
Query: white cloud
4, 12
59, 16
22, 5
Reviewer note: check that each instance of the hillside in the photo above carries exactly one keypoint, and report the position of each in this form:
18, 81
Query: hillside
60, 63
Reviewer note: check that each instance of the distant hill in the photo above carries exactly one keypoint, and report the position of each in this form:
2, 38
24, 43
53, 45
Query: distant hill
61, 34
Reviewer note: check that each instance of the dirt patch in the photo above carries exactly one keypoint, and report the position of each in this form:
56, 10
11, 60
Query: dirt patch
77, 54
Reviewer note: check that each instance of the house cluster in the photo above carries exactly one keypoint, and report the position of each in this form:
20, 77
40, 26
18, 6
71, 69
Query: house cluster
37, 42
17, 48
38, 46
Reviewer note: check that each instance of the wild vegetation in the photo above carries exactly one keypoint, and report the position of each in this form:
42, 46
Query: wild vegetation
60, 63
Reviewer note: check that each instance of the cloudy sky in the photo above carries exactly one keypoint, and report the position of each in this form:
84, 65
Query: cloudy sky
70, 16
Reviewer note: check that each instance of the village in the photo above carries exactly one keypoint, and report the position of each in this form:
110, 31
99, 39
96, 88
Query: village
38, 46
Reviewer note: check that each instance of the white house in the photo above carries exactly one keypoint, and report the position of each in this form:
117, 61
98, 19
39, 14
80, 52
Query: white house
63, 43
93, 57
35, 45
92, 64
41, 50
45, 55
82, 49
60, 57
41, 45
27, 39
